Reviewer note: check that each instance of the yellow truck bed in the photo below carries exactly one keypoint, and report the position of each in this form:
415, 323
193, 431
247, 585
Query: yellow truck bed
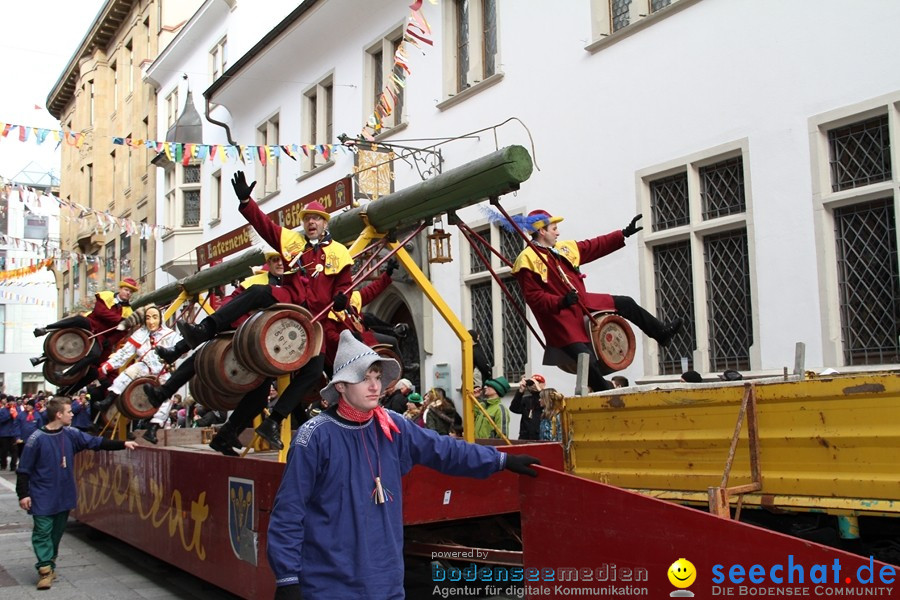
830, 443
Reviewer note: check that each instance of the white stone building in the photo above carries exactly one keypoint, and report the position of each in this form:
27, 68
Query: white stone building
753, 135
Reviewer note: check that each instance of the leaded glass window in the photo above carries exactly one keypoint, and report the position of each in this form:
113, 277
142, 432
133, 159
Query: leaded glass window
489, 18
729, 310
483, 315
868, 283
515, 334
619, 13
722, 188
675, 298
511, 244
476, 266
669, 202
656, 5
191, 208
462, 44
860, 154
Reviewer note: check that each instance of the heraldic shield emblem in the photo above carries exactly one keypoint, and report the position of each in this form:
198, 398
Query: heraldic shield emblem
241, 515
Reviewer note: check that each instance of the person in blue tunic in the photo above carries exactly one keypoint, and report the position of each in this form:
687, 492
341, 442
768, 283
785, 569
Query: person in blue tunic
29, 421
336, 529
46, 481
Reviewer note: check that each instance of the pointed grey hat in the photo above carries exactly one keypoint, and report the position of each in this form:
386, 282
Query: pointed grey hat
351, 362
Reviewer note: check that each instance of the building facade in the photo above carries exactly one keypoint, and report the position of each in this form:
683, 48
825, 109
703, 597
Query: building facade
766, 184
102, 96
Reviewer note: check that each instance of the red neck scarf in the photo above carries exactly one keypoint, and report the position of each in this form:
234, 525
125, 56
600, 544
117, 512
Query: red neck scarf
384, 420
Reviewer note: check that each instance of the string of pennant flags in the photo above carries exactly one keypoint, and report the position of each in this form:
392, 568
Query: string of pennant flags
416, 33
55, 253
103, 221
24, 271
23, 299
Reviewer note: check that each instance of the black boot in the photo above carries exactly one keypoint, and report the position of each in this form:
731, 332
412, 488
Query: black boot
37, 360
156, 395
40, 332
668, 331
150, 434
169, 355
107, 402
195, 335
270, 430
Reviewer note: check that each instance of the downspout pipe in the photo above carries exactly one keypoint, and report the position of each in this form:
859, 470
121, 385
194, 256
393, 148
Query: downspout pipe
219, 123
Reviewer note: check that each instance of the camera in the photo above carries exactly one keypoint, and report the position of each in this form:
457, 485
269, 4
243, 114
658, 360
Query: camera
529, 382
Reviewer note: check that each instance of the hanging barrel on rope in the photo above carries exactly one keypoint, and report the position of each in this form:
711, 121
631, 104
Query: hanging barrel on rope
613, 341
133, 402
68, 346
220, 370
51, 368
278, 340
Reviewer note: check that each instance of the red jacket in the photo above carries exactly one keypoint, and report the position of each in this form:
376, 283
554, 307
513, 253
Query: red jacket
106, 314
324, 269
564, 326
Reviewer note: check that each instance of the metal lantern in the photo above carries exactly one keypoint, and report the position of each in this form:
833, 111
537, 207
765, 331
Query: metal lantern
439, 244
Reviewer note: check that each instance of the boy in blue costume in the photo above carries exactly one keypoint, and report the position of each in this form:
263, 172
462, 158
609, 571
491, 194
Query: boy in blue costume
339, 503
46, 481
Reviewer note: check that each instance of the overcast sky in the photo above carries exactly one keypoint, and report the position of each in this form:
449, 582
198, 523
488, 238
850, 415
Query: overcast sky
39, 37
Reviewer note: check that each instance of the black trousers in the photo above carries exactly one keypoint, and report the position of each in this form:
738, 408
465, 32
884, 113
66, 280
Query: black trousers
8, 452
180, 376
631, 310
301, 383
76, 321
256, 297
251, 405
595, 376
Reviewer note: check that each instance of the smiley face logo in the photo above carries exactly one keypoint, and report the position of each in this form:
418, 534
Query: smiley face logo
682, 573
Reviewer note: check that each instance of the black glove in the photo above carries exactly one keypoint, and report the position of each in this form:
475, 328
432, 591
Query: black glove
340, 302
241, 189
390, 266
569, 299
521, 464
288, 592
632, 227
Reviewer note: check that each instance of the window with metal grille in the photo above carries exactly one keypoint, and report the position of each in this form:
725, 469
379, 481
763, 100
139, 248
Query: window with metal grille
483, 316
191, 208
868, 283
675, 298
729, 309
511, 243
669, 202
191, 174
722, 188
515, 335
476, 266
110, 265
489, 32
124, 255
860, 154
619, 13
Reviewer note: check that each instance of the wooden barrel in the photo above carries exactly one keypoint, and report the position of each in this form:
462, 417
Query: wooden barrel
278, 340
219, 369
133, 402
51, 367
211, 399
613, 342
68, 346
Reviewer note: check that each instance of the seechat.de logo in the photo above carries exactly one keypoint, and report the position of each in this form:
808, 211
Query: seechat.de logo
682, 574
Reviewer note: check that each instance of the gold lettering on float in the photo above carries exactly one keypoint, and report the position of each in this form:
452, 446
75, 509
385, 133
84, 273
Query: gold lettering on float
98, 485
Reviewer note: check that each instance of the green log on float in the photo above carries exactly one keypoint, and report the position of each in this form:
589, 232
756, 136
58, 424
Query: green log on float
237, 268
492, 175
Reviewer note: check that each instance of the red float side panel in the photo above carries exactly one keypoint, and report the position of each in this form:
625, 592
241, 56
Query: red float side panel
608, 538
